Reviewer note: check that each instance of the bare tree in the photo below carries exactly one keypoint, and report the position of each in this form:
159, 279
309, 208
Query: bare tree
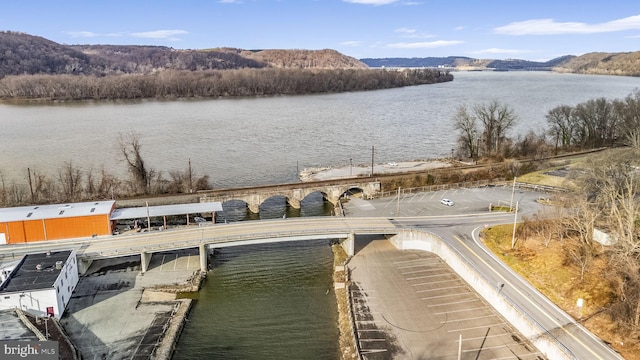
497, 119
629, 113
130, 148
467, 126
562, 125
70, 178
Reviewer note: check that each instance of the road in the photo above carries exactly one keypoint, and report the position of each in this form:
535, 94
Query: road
457, 225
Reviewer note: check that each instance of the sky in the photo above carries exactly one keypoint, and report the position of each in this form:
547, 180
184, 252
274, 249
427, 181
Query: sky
536, 30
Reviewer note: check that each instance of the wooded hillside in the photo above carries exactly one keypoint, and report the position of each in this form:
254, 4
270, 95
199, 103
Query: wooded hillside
627, 64
23, 54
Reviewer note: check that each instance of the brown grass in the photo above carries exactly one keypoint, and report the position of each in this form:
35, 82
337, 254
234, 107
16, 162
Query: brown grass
347, 344
546, 269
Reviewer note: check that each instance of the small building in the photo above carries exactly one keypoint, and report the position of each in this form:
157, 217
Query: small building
54, 222
40, 284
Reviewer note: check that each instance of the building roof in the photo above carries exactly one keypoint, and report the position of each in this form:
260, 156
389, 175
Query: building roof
35, 272
38, 212
165, 210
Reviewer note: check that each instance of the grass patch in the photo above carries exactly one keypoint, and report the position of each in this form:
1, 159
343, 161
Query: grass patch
547, 269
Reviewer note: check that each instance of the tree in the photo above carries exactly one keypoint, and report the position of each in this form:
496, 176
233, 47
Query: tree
562, 125
467, 127
628, 112
130, 148
497, 119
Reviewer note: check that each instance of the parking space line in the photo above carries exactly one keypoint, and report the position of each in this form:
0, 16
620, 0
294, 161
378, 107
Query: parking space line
428, 276
434, 261
419, 265
454, 303
489, 347
462, 310
162, 262
448, 321
444, 288
432, 282
420, 271
486, 337
443, 296
476, 327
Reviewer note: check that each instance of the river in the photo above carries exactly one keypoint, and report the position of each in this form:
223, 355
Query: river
271, 302
267, 140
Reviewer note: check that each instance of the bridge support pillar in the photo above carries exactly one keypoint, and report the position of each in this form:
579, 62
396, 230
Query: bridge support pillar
145, 259
349, 244
84, 265
204, 257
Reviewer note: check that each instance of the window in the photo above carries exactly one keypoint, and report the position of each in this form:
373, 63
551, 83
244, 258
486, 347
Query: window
61, 212
92, 210
29, 214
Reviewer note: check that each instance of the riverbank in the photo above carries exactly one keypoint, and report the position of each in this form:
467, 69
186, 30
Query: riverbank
116, 312
331, 173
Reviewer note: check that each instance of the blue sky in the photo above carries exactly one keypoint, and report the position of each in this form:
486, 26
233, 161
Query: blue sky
533, 30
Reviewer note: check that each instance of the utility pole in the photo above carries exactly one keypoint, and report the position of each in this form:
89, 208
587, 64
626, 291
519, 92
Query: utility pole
398, 206
190, 178
513, 237
30, 184
513, 189
372, 152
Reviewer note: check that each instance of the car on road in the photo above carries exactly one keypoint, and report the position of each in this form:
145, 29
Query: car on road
447, 202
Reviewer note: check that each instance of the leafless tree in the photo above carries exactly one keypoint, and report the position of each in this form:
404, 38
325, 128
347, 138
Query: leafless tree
130, 148
70, 178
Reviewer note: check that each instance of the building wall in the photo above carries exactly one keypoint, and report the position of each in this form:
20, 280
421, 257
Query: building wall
55, 229
66, 283
37, 301
34, 302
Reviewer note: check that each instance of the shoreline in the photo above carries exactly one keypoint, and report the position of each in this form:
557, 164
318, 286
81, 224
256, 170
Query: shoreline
345, 172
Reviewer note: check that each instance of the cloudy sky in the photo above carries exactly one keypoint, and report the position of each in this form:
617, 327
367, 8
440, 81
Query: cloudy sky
495, 29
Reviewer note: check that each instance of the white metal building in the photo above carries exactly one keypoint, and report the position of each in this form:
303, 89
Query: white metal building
40, 284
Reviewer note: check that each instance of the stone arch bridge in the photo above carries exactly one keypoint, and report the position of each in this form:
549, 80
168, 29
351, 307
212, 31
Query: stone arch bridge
294, 193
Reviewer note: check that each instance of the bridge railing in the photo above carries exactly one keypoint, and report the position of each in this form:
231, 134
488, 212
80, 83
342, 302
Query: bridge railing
431, 188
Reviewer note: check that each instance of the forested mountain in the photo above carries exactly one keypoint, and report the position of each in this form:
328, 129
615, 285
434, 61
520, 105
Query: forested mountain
627, 64
466, 63
21, 53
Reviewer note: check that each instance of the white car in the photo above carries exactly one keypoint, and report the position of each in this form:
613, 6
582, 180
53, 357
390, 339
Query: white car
447, 202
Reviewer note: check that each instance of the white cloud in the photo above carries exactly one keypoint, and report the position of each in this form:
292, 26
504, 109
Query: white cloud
501, 51
82, 34
161, 34
405, 30
351, 43
371, 2
551, 27
424, 45
458, 28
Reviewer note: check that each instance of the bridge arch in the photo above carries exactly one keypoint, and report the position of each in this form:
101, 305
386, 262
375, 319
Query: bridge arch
295, 193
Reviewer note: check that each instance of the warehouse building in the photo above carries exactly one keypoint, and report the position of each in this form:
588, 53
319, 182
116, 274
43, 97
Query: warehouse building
53, 222
85, 219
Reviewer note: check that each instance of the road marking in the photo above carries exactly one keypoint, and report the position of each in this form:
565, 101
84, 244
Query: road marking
528, 298
462, 310
428, 276
443, 296
444, 288
432, 282
422, 271
454, 303
476, 327
471, 318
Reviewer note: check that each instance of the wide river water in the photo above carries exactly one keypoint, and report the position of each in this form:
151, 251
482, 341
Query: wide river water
271, 302
267, 140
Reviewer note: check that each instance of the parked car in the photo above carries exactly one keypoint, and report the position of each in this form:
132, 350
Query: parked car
447, 202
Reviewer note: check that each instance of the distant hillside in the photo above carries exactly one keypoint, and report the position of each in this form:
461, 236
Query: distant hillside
627, 64
450, 61
466, 63
22, 53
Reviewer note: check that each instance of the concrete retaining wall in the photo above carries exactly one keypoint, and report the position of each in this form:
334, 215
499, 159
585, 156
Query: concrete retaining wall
420, 240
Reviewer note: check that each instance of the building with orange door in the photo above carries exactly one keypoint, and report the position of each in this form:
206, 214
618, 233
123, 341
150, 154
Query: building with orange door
52, 222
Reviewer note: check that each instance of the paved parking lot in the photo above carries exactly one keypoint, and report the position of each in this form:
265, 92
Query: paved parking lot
411, 305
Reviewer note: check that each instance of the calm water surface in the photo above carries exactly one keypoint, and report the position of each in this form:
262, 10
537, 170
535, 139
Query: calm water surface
265, 302
256, 141
270, 302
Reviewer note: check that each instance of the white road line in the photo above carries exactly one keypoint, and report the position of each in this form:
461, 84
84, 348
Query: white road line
463, 310
428, 276
467, 319
443, 296
476, 327
444, 288
421, 271
432, 282
455, 302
